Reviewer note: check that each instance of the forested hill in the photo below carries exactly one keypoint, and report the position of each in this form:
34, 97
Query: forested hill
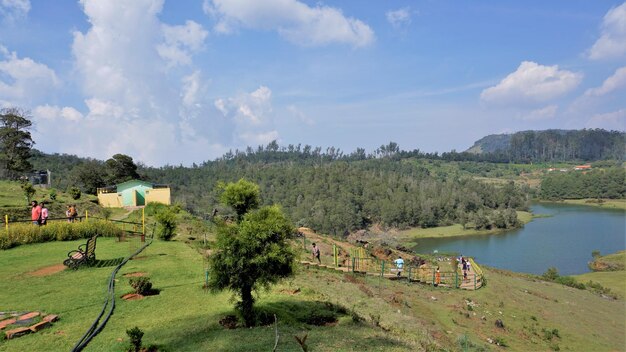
554, 145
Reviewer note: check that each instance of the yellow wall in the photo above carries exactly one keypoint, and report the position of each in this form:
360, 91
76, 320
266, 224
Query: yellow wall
158, 195
110, 200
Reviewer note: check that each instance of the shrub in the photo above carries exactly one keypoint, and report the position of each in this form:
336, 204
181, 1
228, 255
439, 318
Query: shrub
141, 285
135, 334
166, 219
74, 192
53, 194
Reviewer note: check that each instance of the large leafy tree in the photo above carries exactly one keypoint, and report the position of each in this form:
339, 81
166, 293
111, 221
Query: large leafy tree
15, 142
121, 168
251, 253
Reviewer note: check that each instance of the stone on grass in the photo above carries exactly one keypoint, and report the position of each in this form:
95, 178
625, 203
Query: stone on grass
17, 332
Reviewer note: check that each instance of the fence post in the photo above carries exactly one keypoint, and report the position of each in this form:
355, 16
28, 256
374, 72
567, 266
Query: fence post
335, 259
143, 222
456, 278
6, 222
86, 216
433, 277
409, 276
474, 281
382, 271
353, 264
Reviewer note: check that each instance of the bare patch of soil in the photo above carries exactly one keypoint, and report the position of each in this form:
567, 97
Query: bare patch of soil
132, 297
48, 270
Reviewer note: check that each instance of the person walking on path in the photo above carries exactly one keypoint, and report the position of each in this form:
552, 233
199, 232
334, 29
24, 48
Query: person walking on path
316, 253
35, 213
399, 265
437, 277
44, 214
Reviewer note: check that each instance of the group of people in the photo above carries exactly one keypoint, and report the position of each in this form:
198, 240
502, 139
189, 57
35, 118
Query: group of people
40, 214
466, 266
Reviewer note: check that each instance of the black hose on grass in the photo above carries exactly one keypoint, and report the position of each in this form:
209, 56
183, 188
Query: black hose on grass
98, 325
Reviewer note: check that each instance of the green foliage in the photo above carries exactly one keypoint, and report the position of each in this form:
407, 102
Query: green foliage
53, 194
21, 233
552, 274
253, 253
121, 168
74, 192
597, 183
15, 142
141, 285
90, 175
135, 334
595, 254
166, 222
28, 190
242, 196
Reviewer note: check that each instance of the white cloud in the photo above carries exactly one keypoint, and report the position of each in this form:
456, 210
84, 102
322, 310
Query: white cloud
544, 113
292, 19
252, 115
14, 9
399, 18
532, 83
134, 103
612, 41
24, 81
181, 42
615, 120
615, 82
301, 116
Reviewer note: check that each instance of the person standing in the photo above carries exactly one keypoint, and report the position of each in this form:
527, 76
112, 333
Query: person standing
68, 214
316, 253
399, 265
44, 214
35, 213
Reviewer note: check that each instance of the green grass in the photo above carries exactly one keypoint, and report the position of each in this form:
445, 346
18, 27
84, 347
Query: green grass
613, 280
605, 203
456, 229
11, 195
397, 316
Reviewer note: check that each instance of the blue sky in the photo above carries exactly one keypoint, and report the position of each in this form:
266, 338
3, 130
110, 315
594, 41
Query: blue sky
177, 82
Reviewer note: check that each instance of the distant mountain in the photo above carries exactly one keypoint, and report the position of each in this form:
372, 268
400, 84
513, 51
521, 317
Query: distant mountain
491, 144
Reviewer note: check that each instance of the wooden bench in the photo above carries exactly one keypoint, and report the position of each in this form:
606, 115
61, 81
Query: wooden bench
85, 254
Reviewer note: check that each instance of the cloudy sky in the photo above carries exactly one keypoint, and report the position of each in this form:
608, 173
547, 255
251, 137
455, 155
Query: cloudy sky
177, 82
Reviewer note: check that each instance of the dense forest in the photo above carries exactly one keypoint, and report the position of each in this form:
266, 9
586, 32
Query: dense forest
610, 183
553, 145
336, 192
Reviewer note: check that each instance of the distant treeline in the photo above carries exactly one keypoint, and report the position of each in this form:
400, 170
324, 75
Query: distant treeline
553, 146
610, 183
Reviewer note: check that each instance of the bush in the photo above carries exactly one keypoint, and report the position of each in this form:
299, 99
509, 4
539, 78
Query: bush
53, 194
166, 219
74, 192
135, 334
23, 233
141, 285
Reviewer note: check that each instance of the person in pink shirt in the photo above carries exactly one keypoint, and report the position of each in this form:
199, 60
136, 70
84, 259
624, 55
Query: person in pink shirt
35, 213
44, 214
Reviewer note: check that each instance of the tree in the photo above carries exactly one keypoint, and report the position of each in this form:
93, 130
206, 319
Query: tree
28, 190
15, 142
252, 253
90, 176
121, 168
242, 196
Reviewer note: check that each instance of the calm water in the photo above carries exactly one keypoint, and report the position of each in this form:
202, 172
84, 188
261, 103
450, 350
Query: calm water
565, 240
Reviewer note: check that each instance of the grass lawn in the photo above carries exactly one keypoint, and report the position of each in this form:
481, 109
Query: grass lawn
397, 316
614, 280
11, 195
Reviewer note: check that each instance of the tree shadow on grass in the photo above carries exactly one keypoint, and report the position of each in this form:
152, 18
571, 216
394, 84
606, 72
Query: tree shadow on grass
107, 262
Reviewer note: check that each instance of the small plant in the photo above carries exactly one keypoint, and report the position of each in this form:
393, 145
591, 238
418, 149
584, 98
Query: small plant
375, 318
595, 254
74, 192
106, 213
135, 334
500, 341
302, 342
166, 218
53, 194
28, 190
356, 318
141, 285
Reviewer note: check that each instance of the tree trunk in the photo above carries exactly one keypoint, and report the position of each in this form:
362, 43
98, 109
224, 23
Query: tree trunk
246, 309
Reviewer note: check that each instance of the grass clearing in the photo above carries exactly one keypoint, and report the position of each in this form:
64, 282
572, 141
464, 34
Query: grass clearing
613, 280
395, 316
603, 203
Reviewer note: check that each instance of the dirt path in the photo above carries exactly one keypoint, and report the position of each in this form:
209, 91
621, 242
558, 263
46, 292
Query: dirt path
48, 270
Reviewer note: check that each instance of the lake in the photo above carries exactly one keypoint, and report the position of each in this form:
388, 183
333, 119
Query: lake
564, 240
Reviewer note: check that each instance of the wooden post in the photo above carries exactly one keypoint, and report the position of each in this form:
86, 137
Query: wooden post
382, 271
86, 216
143, 223
6, 222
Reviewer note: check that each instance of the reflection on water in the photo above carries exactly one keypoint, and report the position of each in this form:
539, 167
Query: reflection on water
565, 240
